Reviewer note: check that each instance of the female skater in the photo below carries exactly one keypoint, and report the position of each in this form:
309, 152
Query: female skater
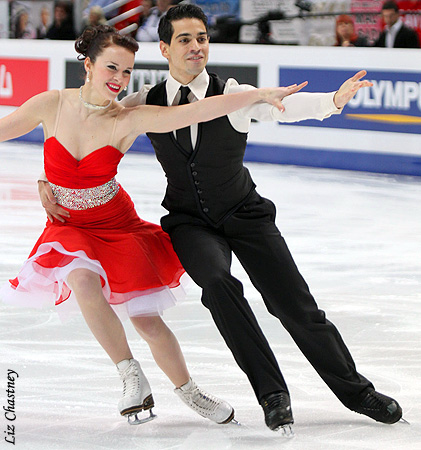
105, 254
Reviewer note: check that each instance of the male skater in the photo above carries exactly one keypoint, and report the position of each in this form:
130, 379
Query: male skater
214, 210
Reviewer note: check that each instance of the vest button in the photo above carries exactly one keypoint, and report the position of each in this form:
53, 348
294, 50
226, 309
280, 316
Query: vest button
196, 182
199, 191
205, 210
202, 201
194, 173
192, 165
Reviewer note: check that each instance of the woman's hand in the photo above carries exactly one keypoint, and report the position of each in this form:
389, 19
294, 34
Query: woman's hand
274, 96
49, 203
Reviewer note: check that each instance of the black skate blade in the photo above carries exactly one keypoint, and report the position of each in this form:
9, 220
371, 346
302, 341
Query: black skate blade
134, 419
285, 431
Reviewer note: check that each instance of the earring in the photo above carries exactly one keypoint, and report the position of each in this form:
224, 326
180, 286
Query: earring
87, 78
125, 89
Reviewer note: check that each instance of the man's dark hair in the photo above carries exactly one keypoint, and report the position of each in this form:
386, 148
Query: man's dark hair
179, 12
390, 5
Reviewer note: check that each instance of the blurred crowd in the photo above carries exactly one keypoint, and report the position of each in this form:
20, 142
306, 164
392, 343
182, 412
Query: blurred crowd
140, 18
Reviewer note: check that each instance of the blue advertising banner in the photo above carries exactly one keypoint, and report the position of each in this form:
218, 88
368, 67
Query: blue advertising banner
392, 104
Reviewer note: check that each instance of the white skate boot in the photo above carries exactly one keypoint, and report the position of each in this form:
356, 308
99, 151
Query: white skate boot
137, 395
205, 404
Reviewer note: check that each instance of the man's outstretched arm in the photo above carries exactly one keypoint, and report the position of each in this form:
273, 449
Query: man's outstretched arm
299, 106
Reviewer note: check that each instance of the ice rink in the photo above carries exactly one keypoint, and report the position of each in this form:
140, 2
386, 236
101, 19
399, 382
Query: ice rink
355, 237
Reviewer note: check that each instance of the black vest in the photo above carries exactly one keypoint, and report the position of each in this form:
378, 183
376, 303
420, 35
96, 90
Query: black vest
211, 183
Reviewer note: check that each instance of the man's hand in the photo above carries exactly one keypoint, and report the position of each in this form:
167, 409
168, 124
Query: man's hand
350, 88
49, 203
274, 96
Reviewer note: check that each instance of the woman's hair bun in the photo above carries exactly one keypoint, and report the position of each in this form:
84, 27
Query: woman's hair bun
89, 35
94, 40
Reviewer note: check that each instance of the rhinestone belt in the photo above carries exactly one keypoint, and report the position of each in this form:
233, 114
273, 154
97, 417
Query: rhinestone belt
85, 198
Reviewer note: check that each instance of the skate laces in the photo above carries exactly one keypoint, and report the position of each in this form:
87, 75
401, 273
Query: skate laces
281, 399
205, 401
199, 400
131, 382
375, 401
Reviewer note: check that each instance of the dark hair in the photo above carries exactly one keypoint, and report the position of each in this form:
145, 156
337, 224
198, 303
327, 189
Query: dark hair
20, 32
64, 4
94, 40
179, 12
390, 5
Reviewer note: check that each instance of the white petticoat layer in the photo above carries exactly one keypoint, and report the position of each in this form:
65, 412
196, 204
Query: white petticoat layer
41, 287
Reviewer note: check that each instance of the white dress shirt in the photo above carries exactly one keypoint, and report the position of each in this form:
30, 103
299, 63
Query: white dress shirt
391, 33
299, 106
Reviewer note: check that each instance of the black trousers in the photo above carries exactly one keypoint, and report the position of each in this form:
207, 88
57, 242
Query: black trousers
252, 235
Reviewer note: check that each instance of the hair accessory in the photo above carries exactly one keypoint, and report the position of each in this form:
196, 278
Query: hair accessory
91, 105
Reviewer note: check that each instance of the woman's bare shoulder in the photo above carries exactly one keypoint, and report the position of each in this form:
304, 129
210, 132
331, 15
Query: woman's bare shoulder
45, 100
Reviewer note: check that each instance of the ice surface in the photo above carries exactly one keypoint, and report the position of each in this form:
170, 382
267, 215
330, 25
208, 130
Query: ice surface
354, 236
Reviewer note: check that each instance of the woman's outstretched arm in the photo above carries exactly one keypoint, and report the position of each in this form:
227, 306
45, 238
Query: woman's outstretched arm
163, 119
28, 116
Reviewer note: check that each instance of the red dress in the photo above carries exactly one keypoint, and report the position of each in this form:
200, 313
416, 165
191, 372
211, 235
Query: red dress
134, 258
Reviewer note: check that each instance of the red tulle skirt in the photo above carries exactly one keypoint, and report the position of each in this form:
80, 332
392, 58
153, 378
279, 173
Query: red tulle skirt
139, 270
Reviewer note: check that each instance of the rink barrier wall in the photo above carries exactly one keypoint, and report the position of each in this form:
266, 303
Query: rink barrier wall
378, 131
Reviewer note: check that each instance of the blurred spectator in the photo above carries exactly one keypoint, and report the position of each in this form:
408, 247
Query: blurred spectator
96, 17
148, 31
147, 7
395, 33
346, 35
45, 23
411, 20
23, 28
62, 27
102, 4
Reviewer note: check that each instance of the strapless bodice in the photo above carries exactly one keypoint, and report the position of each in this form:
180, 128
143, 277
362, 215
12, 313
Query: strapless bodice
95, 169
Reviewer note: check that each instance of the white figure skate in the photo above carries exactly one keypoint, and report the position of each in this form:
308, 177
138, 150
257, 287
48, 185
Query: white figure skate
137, 395
206, 405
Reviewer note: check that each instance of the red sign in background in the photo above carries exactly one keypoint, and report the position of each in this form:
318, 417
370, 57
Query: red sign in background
366, 23
21, 79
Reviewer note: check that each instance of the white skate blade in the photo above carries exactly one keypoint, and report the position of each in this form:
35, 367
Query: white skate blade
404, 421
134, 419
234, 422
285, 431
